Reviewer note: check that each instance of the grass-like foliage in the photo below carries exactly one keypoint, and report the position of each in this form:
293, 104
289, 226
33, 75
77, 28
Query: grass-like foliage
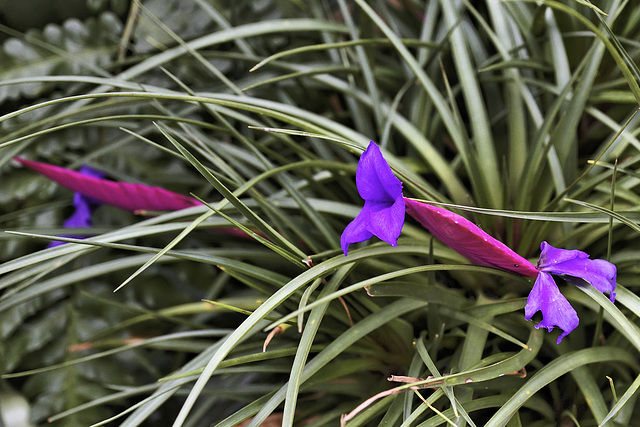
243, 310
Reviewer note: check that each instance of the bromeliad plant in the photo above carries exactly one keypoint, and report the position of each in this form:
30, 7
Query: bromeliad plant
383, 216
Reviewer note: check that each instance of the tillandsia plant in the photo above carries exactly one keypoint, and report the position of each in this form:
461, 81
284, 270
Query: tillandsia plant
383, 216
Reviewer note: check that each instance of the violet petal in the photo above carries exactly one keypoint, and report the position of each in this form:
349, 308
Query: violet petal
556, 310
386, 223
551, 256
383, 211
356, 231
599, 273
84, 206
81, 218
375, 179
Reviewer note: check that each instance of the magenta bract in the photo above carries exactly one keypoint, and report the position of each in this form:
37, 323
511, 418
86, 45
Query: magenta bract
124, 195
468, 239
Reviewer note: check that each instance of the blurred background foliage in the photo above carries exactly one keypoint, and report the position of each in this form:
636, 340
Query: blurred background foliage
261, 108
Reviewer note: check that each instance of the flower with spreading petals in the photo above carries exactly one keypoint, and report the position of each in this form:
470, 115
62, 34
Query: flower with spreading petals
383, 211
572, 265
383, 216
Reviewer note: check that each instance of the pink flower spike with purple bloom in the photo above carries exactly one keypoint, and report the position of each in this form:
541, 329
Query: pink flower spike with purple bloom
92, 190
124, 195
383, 216
383, 211
571, 264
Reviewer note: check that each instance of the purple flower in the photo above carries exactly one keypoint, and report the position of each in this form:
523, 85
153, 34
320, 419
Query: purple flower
383, 216
573, 265
85, 205
383, 211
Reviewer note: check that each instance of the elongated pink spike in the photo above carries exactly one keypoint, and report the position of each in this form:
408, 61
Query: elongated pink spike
124, 195
468, 239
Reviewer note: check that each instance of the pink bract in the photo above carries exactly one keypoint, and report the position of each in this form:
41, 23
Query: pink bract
124, 195
468, 239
